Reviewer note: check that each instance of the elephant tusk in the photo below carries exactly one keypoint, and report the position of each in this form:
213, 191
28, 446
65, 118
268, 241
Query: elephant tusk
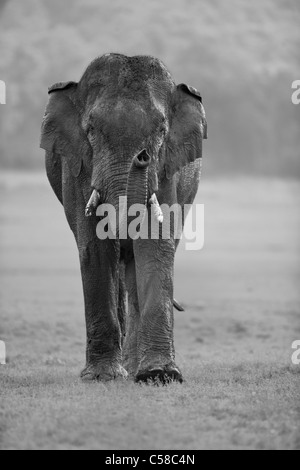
158, 214
92, 204
178, 306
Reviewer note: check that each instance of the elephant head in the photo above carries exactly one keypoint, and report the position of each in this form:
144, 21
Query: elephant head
126, 125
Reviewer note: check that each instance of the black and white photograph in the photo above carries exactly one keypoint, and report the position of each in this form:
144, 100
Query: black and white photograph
149, 227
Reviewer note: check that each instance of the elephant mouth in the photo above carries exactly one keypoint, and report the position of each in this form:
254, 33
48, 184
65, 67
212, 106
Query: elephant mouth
140, 194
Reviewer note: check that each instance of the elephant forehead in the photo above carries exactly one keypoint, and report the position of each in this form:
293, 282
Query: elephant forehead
123, 107
130, 113
117, 65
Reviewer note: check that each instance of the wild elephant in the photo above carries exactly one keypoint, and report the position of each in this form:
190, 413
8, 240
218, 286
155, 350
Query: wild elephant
125, 129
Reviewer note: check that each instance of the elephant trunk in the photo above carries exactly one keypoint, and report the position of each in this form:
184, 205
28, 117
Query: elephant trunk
137, 190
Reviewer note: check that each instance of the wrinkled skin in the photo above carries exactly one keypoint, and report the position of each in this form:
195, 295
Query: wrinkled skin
124, 129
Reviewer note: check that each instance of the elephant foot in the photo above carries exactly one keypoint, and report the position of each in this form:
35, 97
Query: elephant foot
100, 373
131, 366
160, 375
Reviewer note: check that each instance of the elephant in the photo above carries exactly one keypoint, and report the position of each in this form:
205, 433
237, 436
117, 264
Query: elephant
125, 129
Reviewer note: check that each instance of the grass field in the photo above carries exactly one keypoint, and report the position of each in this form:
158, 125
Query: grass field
233, 342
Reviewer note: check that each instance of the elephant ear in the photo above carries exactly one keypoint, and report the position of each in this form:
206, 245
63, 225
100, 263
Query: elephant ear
188, 129
62, 132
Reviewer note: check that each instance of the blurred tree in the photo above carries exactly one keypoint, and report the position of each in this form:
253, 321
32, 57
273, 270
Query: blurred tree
2, 4
243, 56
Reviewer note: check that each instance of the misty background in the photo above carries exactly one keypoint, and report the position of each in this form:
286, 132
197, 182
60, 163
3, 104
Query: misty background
241, 292
243, 57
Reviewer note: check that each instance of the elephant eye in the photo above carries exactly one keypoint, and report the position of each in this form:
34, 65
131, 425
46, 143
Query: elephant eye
163, 130
163, 127
91, 129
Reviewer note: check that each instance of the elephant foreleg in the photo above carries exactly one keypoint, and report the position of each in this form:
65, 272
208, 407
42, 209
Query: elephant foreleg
100, 271
122, 308
154, 272
101, 295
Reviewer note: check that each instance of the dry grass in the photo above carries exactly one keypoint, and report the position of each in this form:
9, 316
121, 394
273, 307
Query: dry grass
233, 343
